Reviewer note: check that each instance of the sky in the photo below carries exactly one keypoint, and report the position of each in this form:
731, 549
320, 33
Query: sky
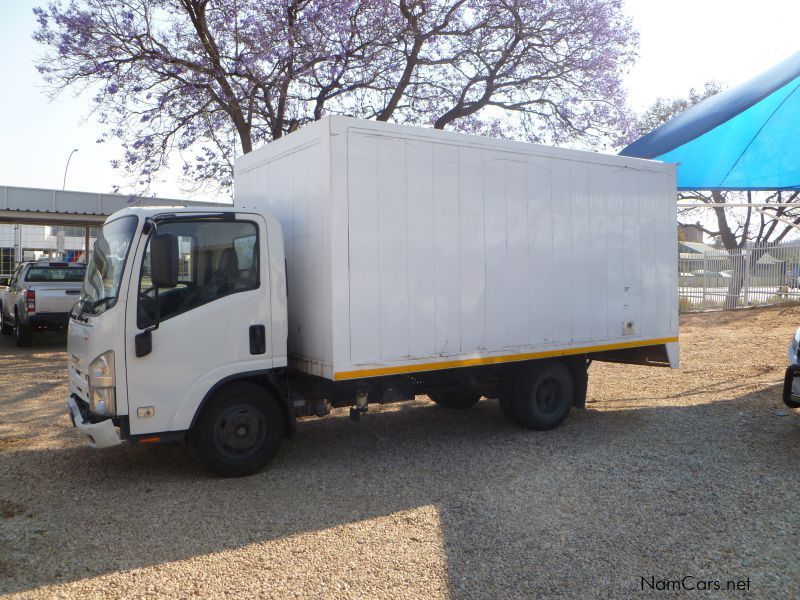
683, 44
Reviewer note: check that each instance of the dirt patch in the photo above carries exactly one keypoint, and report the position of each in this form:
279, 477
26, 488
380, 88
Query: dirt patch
666, 474
10, 509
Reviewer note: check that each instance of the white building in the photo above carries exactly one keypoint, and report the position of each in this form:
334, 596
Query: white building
57, 224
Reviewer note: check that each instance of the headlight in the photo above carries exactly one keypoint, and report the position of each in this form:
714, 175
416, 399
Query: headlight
102, 394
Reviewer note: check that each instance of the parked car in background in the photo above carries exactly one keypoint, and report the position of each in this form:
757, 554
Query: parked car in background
791, 381
39, 295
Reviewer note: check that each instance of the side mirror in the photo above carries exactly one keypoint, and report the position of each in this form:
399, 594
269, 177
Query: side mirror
4, 280
164, 260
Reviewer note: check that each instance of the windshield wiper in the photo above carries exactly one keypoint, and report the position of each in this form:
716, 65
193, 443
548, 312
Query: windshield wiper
88, 306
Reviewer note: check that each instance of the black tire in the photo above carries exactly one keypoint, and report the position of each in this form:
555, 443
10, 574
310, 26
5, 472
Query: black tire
22, 335
788, 380
5, 328
239, 430
458, 400
543, 396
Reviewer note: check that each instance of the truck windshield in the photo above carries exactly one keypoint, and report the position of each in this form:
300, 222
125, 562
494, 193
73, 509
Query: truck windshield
101, 286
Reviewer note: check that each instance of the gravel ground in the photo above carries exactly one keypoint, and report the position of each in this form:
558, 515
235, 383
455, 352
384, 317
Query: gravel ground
667, 474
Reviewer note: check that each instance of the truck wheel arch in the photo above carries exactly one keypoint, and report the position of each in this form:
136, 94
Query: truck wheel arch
263, 378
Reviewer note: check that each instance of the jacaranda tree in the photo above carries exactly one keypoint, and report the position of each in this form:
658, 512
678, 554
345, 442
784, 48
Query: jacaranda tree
209, 79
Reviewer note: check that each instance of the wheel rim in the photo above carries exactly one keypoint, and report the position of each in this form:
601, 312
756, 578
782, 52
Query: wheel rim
549, 396
239, 430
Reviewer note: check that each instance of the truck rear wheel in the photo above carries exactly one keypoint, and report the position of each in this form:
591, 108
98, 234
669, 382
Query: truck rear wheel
543, 396
458, 400
239, 430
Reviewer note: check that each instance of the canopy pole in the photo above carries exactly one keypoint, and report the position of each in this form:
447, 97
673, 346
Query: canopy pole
779, 218
741, 205
86, 245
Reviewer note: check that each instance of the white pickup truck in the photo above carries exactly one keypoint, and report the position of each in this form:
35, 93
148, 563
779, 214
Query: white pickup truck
38, 296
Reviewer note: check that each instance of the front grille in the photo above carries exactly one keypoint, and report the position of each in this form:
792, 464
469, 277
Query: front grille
78, 380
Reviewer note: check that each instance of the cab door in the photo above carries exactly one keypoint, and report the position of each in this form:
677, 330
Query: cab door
214, 324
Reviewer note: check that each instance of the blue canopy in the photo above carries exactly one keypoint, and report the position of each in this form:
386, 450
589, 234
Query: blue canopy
745, 138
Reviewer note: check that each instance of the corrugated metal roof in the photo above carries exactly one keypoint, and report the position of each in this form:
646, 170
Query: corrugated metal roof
64, 202
697, 248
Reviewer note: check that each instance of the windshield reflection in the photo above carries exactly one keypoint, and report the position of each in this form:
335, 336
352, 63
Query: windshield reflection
101, 285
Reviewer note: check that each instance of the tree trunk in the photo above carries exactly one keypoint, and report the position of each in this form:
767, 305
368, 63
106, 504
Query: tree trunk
735, 251
737, 281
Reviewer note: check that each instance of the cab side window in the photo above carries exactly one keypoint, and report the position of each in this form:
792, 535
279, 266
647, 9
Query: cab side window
215, 259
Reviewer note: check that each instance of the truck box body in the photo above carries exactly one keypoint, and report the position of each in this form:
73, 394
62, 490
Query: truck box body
412, 249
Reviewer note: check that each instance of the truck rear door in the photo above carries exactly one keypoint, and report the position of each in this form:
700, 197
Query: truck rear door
55, 286
55, 299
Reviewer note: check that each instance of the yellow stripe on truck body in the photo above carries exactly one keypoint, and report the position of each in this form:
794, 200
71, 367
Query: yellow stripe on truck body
493, 360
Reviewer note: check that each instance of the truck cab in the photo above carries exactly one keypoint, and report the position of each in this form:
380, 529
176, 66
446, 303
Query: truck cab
149, 346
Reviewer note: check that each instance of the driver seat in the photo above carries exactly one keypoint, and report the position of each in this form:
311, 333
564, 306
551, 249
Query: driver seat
227, 272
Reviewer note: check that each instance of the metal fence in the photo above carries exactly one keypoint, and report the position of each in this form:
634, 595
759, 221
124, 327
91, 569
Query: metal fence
753, 276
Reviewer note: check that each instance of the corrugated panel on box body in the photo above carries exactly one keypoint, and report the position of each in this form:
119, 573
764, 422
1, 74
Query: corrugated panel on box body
409, 246
498, 251
292, 187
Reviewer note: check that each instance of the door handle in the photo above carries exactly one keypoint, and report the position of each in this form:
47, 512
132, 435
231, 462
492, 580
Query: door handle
258, 339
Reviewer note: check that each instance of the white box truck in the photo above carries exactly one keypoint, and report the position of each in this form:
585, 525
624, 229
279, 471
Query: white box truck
371, 262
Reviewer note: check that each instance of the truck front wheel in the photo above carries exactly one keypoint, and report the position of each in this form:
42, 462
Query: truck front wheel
543, 396
238, 431
459, 400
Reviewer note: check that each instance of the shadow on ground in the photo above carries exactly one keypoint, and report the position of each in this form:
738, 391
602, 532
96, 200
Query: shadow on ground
41, 340
591, 507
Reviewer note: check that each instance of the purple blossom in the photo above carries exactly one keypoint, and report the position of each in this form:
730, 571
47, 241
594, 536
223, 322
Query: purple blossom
541, 70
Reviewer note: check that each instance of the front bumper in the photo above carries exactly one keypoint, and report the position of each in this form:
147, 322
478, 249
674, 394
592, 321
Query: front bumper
99, 435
